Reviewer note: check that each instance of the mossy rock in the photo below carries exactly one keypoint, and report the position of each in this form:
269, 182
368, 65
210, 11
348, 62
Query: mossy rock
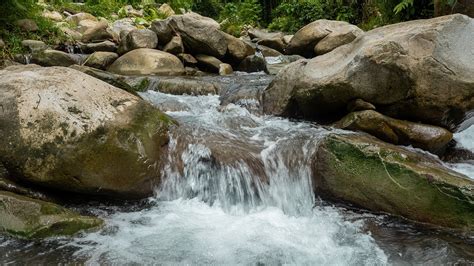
31, 218
68, 131
382, 177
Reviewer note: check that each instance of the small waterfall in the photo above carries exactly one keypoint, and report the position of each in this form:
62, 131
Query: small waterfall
27, 58
234, 159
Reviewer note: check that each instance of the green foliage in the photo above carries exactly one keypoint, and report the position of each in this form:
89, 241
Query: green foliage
235, 16
403, 5
13, 10
291, 15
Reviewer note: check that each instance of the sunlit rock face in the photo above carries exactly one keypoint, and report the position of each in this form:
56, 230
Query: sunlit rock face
66, 130
419, 70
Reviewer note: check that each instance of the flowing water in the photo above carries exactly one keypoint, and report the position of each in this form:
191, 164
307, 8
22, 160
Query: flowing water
237, 190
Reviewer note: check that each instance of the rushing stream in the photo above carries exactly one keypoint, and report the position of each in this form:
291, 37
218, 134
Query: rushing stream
237, 190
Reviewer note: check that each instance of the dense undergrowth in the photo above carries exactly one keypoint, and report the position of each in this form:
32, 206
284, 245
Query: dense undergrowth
234, 15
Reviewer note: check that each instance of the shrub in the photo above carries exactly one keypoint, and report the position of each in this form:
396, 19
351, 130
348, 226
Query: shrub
235, 16
291, 15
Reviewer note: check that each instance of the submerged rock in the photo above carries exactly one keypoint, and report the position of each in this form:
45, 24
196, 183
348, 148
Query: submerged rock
68, 131
427, 137
417, 70
146, 61
32, 218
383, 177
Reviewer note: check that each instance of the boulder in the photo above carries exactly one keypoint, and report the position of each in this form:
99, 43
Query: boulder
162, 29
400, 132
101, 60
105, 46
67, 131
187, 59
208, 63
261, 34
88, 24
275, 64
166, 10
33, 45
146, 61
141, 38
268, 52
225, 69
340, 36
305, 39
76, 18
27, 25
382, 177
417, 71
175, 46
31, 218
115, 80
72, 34
237, 49
122, 26
54, 58
52, 15
253, 63
274, 43
97, 33
200, 35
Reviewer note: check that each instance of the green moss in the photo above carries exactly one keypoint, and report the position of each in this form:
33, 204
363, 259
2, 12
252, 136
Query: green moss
373, 176
143, 85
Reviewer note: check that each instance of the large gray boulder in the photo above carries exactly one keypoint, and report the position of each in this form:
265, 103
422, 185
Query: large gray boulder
200, 35
65, 130
305, 39
417, 70
146, 61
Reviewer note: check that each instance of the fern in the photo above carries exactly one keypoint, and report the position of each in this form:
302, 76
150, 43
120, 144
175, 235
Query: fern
403, 5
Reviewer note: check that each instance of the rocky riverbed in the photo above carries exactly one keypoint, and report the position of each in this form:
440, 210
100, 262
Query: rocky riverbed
179, 143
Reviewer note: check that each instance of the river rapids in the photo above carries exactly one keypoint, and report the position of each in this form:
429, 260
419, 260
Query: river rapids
237, 190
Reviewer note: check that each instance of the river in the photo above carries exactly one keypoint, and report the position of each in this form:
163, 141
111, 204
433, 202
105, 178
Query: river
237, 190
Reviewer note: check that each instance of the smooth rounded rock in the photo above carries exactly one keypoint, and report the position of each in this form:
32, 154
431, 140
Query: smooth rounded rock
146, 61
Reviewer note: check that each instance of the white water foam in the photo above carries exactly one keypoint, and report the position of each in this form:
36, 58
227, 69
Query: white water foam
192, 232
465, 139
216, 209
